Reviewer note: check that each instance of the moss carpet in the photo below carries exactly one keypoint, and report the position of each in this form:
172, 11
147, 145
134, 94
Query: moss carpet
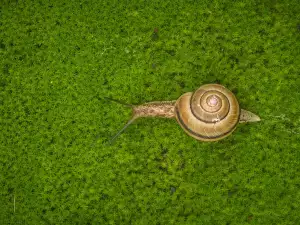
60, 58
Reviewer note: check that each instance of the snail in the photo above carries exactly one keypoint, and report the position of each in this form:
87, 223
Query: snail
211, 113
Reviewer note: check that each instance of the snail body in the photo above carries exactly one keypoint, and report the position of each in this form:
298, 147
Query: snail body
210, 113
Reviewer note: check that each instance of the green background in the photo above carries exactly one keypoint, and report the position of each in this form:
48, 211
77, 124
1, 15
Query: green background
60, 58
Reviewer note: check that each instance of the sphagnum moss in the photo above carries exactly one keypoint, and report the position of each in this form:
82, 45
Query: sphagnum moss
60, 58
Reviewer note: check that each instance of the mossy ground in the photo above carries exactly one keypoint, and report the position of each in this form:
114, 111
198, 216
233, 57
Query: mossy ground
59, 58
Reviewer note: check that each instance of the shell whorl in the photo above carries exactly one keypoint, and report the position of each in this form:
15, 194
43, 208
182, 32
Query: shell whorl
209, 114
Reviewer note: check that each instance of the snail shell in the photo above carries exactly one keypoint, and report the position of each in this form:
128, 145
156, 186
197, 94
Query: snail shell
211, 113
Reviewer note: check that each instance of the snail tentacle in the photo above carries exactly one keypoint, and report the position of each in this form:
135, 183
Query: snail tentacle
118, 101
163, 109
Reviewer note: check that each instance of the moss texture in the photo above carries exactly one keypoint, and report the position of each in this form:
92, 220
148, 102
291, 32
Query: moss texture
59, 58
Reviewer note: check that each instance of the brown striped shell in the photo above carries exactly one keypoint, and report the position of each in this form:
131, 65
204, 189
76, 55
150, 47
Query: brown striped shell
210, 113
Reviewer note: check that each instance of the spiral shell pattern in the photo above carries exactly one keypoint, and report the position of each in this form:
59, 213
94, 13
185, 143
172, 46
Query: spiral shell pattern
210, 113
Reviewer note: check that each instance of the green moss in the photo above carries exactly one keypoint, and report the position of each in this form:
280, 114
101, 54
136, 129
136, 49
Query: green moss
59, 58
